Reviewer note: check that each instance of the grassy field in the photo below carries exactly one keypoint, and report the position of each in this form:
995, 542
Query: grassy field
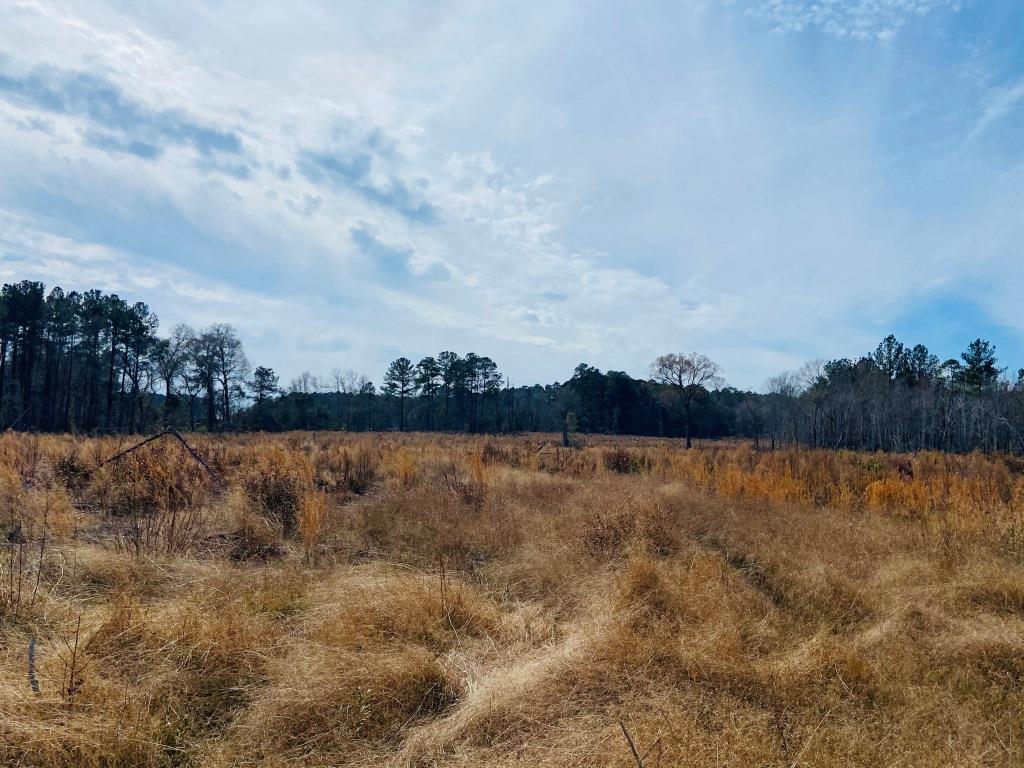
413, 600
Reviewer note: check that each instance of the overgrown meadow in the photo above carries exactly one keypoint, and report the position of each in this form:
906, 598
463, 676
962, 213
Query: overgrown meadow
324, 599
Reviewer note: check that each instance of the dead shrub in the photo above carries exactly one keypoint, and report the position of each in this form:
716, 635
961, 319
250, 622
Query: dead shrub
255, 539
495, 453
277, 485
622, 462
360, 468
72, 472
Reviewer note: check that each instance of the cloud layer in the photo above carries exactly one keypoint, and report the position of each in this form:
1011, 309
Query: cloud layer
763, 181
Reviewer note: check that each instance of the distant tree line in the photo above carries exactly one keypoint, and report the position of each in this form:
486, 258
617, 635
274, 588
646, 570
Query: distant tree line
897, 398
91, 362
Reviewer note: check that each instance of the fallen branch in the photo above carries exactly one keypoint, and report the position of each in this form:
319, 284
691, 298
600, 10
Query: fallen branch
906, 469
175, 434
632, 747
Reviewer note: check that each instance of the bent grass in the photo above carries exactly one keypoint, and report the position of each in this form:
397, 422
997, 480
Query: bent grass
414, 600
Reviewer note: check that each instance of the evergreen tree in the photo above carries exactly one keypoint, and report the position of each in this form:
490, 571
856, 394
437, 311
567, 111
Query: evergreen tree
399, 382
979, 365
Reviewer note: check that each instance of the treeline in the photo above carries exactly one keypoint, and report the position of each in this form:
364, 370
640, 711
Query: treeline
898, 398
92, 362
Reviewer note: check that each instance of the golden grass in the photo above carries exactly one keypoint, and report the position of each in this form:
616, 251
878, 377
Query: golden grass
414, 600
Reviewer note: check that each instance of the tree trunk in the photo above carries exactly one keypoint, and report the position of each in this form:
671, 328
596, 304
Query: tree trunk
66, 418
110, 385
3, 375
227, 402
211, 407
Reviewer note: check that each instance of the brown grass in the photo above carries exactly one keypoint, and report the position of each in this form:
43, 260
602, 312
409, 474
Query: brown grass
412, 600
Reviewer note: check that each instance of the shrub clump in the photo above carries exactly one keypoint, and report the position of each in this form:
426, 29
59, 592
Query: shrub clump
277, 485
622, 462
71, 472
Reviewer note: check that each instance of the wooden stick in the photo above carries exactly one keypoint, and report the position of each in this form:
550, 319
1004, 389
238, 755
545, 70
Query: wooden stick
632, 746
122, 454
33, 681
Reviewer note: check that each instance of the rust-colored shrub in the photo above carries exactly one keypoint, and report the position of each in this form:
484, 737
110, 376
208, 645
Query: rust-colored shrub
897, 497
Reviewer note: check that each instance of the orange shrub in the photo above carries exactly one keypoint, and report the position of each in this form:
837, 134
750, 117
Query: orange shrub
897, 497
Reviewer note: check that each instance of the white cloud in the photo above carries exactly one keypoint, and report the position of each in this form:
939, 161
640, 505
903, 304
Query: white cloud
858, 19
1000, 102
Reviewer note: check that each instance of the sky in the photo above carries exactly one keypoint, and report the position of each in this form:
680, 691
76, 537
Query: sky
764, 181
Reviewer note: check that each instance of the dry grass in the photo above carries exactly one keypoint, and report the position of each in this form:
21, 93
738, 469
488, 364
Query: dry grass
325, 599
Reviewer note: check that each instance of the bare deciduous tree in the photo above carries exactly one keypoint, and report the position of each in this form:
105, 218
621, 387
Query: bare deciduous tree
172, 355
688, 375
223, 360
305, 384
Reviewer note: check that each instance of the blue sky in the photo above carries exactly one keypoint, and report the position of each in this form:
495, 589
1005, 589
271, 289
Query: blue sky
546, 183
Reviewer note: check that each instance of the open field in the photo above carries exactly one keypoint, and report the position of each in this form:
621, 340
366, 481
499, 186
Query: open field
412, 600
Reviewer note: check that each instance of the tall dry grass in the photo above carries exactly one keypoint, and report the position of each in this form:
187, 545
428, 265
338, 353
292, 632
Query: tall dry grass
412, 600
